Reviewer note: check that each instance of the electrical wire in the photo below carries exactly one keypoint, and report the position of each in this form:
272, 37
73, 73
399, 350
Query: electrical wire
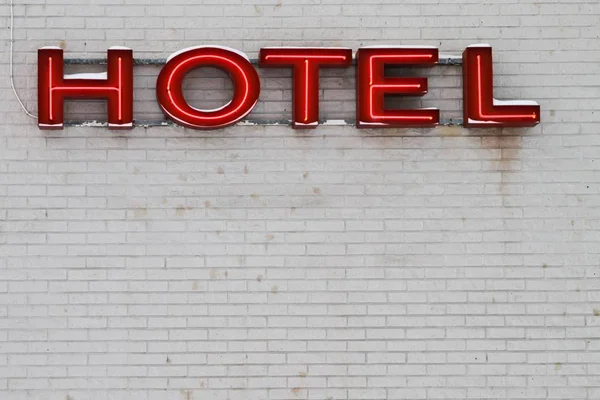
12, 79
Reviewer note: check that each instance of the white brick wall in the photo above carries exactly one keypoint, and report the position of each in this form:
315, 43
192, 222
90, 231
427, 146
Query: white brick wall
266, 263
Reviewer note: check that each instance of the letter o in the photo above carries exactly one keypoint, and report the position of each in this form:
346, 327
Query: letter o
169, 92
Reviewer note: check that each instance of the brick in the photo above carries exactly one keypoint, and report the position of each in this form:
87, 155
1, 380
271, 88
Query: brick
261, 262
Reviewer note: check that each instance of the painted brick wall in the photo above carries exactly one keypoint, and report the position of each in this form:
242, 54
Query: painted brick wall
258, 262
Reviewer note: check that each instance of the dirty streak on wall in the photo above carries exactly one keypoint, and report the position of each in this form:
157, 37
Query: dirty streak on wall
265, 263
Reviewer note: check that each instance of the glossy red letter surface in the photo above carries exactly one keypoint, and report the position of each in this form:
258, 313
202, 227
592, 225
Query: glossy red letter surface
479, 106
54, 88
246, 87
372, 85
305, 63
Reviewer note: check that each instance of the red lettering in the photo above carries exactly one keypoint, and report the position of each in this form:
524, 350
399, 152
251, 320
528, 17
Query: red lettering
372, 85
54, 88
479, 106
305, 63
246, 87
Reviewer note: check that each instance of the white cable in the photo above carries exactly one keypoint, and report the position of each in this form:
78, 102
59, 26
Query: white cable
12, 80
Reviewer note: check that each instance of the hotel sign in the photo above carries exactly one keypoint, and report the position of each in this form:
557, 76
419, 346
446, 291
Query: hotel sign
480, 108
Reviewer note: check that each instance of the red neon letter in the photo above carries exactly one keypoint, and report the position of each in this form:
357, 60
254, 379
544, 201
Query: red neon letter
372, 85
54, 88
305, 63
479, 106
246, 87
